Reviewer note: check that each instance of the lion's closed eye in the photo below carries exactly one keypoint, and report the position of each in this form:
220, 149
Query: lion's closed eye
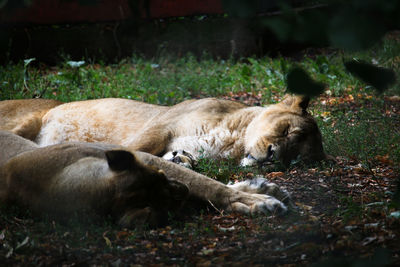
296, 130
286, 131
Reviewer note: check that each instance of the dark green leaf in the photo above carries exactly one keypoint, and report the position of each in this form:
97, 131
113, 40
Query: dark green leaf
246, 72
378, 77
299, 82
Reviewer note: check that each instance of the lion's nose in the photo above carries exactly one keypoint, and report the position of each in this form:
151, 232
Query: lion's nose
177, 159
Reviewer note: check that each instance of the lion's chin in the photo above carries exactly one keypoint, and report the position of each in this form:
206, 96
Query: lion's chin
248, 161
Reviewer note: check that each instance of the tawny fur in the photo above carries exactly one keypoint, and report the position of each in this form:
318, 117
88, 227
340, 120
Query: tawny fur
75, 177
71, 178
210, 127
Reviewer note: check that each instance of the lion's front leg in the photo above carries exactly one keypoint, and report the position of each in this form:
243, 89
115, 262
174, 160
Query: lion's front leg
261, 185
219, 195
257, 204
181, 157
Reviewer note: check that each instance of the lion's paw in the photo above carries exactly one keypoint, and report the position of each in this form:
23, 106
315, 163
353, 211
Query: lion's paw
259, 204
181, 157
272, 205
260, 185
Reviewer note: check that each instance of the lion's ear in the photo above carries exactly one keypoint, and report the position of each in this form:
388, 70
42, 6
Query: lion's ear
296, 102
120, 160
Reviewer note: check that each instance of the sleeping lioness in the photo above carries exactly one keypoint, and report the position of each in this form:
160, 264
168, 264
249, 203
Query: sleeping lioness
103, 179
209, 127
65, 179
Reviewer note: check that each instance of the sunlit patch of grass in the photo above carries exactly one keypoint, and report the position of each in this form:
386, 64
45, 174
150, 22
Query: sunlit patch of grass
221, 170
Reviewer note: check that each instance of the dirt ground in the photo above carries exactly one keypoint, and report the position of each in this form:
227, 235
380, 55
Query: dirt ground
344, 215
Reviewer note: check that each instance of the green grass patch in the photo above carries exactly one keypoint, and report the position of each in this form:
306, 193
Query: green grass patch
355, 130
361, 133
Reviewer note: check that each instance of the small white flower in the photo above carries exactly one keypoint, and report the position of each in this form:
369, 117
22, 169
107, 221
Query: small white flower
75, 64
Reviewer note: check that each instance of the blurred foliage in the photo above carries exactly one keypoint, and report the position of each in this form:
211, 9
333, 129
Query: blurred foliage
378, 77
299, 82
351, 25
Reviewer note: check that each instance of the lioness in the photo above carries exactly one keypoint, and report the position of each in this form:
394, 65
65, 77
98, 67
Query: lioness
209, 127
85, 178
106, 179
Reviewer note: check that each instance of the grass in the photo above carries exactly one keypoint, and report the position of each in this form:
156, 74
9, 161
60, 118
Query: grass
167, 81
355, 121
161, 81
363, 135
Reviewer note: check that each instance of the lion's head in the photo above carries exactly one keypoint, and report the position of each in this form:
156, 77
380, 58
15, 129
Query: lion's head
283, 132
144, 195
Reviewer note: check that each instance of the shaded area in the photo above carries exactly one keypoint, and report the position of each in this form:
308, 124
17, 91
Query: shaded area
109, 42
344, 215
108, 30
